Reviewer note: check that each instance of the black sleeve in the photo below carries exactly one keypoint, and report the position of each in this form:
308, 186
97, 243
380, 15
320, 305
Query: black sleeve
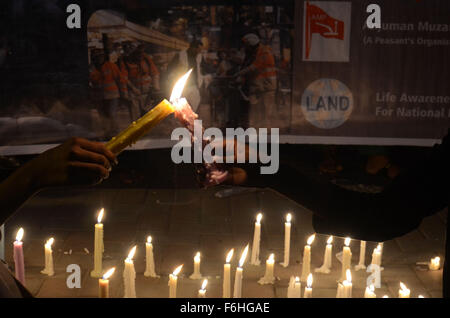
397, 210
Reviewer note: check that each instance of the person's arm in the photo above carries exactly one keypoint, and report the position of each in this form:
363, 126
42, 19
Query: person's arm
77, 161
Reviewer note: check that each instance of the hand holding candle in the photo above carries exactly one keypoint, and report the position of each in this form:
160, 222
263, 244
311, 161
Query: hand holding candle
287, 240
98, 246
254, 260
48, 269
306, 267
226, 292
173, 279
103, 284
129, 275
237, 292
18, 257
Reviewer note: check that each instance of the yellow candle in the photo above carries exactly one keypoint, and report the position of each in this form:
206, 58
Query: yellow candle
202, 291
306, 267
254, 260
98, 246
237, 292
129, 275
346, 258
196, 274
434, 264
173, 279
19, 262
370, 292
403, 292
48, 269
103, 284
144, 124
308, 288
287, 240
226, 293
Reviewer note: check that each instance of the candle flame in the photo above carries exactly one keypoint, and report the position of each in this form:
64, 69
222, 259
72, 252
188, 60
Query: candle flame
19, 234
179, 87
230, 255
109, 273
243, 256
347, 241
379, 246
177, 270
288, 217
131, 253
403, 287
49, 242
348, 274
258, 218
330, 240
311, 239
205, 282
100, 215
149, 239
420, 296
197, 257
436, 260
372, 288
385, 296
271, 257
297, 279
309, 280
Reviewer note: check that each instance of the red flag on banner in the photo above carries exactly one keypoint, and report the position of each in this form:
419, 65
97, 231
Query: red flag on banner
318, 21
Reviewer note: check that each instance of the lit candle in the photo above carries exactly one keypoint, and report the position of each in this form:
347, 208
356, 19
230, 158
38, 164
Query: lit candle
326, 267
434, 264
306, 268
237, 292
362, 256
294, 288
340, 291
202, 291
103, 284
173, 278
308, 288
98, 246
48, 269
385, 296
18, 257
226, 293
150, 260
287, 240
129, 275
254, 260
268, 277
196, 274
403, 292
348, 285
370, 292
420, 296
376, 255
144, 124
346, 258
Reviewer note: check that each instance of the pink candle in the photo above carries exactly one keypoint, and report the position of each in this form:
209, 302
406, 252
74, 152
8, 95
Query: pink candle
18, 257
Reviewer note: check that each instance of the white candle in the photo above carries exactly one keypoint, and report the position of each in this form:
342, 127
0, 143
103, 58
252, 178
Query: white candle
268, 277
226, 292
287, 240
348, 285
150, 260
362, 256
98, 246
196, 274
129, 276
376, 255
254, 260
434, 264
306, 267
346, 258
173, 279
19, 263
202, 291
308, 288
48, 269
294, 288
340, 291
370, 292
327, 259
237, 292
403, 292
103, 284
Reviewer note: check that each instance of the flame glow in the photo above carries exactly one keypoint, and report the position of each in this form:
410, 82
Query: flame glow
372, 288
131, 253
49, 242
330, 240
271, 258
288, 217
149, 239
436, 260
297, 280
309, 280
205, 282
403, 287
347, 241
177, 270
230, 255
100, 215
243, 256
258, 218
179, 87
197, 257
19, 235
311, 239
109, 273
348, 274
